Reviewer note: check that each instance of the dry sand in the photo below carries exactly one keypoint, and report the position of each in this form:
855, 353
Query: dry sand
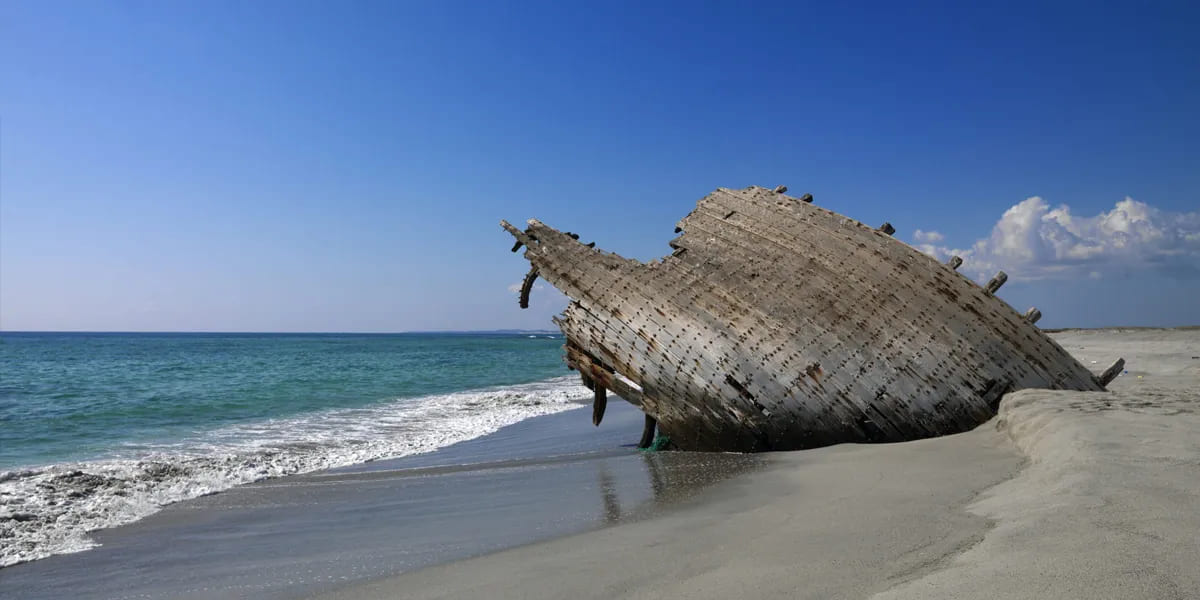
1063, 495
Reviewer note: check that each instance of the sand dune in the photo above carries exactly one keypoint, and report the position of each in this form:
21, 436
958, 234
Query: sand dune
1108, 505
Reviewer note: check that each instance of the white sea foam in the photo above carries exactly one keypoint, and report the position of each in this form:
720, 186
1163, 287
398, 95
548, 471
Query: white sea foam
49, 510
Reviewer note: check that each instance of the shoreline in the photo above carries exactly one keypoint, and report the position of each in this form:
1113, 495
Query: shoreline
57, 508
810, 516
552, 507
290, 537
1086, 494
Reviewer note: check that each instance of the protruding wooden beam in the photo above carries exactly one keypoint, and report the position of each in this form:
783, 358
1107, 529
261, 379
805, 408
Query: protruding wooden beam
526, 286
779, 189
648, 433
807, 198
955, 262
994, 285
1111, 372
523, 238
1033, 314
599, 403
887, 228
598, 374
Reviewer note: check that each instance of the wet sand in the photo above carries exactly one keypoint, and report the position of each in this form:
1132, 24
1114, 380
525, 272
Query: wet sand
1063, 495
295, 536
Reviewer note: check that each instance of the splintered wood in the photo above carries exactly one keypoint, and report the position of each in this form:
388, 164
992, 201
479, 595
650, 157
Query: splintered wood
776, 324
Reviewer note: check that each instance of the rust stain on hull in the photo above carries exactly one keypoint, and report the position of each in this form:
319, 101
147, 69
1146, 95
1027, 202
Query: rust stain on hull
776, 324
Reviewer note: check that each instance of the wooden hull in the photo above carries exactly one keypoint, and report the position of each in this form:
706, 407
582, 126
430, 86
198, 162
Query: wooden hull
776, 325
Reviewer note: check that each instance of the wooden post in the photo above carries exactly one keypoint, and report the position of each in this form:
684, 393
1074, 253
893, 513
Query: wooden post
648, 433
994, 285
1033, 314
1111, 372
599, 404
955, 262
887, 228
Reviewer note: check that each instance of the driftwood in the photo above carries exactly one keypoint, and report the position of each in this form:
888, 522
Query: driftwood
776, 324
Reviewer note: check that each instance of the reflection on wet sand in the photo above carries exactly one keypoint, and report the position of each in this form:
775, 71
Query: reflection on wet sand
608, 492
669, 477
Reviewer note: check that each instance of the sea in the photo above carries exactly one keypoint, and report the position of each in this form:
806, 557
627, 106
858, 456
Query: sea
99, 430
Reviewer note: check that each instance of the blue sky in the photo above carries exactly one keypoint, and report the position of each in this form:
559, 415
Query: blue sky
314, 166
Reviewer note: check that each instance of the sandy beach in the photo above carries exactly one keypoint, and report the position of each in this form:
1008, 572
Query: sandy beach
1062, 495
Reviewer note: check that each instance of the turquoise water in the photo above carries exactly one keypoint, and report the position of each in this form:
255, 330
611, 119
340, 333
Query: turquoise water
80, 396
98, 430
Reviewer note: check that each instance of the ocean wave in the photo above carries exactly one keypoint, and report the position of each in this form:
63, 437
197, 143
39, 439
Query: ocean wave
50, 510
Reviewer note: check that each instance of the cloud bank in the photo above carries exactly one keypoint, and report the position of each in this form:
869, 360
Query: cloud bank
1034, 241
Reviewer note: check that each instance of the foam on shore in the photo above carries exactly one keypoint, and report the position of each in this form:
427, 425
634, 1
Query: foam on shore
49, 510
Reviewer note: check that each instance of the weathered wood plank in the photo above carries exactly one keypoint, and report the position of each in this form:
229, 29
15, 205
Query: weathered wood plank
1111, 372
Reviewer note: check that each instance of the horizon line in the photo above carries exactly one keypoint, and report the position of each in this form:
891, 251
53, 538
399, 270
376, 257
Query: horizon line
204, 331
460, 331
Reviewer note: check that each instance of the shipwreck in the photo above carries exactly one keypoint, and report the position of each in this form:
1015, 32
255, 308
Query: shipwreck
775, 324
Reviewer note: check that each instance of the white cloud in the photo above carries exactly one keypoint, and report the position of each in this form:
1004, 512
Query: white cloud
931, 237
1034, 241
